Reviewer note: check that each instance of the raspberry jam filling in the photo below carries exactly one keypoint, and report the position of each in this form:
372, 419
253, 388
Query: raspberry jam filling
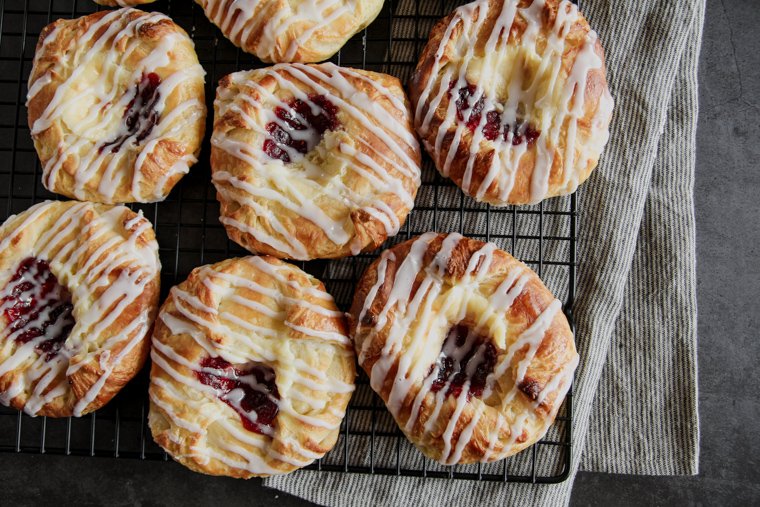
37, 307
465, 357
300, 127
252, 393
471, 114
140, 116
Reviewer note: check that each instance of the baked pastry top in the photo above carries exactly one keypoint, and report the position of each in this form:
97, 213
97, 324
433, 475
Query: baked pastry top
252, 369
79, 288
281, 31
469, 350
313, 161
511, 99
122, 3
116, 106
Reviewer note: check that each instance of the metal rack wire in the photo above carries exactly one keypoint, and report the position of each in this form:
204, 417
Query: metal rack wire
190, 235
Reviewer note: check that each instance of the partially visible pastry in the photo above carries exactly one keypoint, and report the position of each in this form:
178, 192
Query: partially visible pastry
122, 3
313, 161
79, 287
281, 31
511, 99
116, 106
469, 350
252, 369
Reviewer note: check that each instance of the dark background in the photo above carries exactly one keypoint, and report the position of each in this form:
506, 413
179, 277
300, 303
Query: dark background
728, 243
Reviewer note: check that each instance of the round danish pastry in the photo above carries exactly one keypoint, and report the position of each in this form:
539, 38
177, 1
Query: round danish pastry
252, 369
281, 31
79, 287
116, 106
313, 161
469, 350
511, 99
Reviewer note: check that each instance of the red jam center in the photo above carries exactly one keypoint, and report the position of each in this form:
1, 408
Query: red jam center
37, 307
300, 127
252, 393
140, 116
471, 114
465, 357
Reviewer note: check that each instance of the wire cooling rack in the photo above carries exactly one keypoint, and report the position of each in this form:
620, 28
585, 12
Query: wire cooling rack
190, 235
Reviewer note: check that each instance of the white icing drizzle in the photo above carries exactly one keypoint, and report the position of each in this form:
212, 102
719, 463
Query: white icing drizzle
118, 271
246, 342
276, 34
300, 186
413, 324
93, 107
551, 103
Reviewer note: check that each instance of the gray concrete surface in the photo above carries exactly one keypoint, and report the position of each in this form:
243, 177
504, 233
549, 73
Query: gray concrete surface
728, 227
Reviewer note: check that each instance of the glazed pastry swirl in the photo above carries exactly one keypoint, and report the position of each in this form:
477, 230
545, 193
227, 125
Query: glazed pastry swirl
313, 161
511, 99
283, 31
79, 286
468, 349
252, 369
116, 106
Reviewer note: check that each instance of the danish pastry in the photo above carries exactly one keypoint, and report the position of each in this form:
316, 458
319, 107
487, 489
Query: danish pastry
280, 31
313, 161
116, 106
468, 349
252, 369
511, 99
122, 3
79, 287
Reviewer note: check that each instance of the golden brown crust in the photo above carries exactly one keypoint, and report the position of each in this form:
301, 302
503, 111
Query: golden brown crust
349, 192
406, 304
107, 258
279, 31
102, 129
481, 158
123, 3
260, 311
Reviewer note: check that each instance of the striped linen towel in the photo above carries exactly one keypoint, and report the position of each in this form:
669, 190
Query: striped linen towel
635, 392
